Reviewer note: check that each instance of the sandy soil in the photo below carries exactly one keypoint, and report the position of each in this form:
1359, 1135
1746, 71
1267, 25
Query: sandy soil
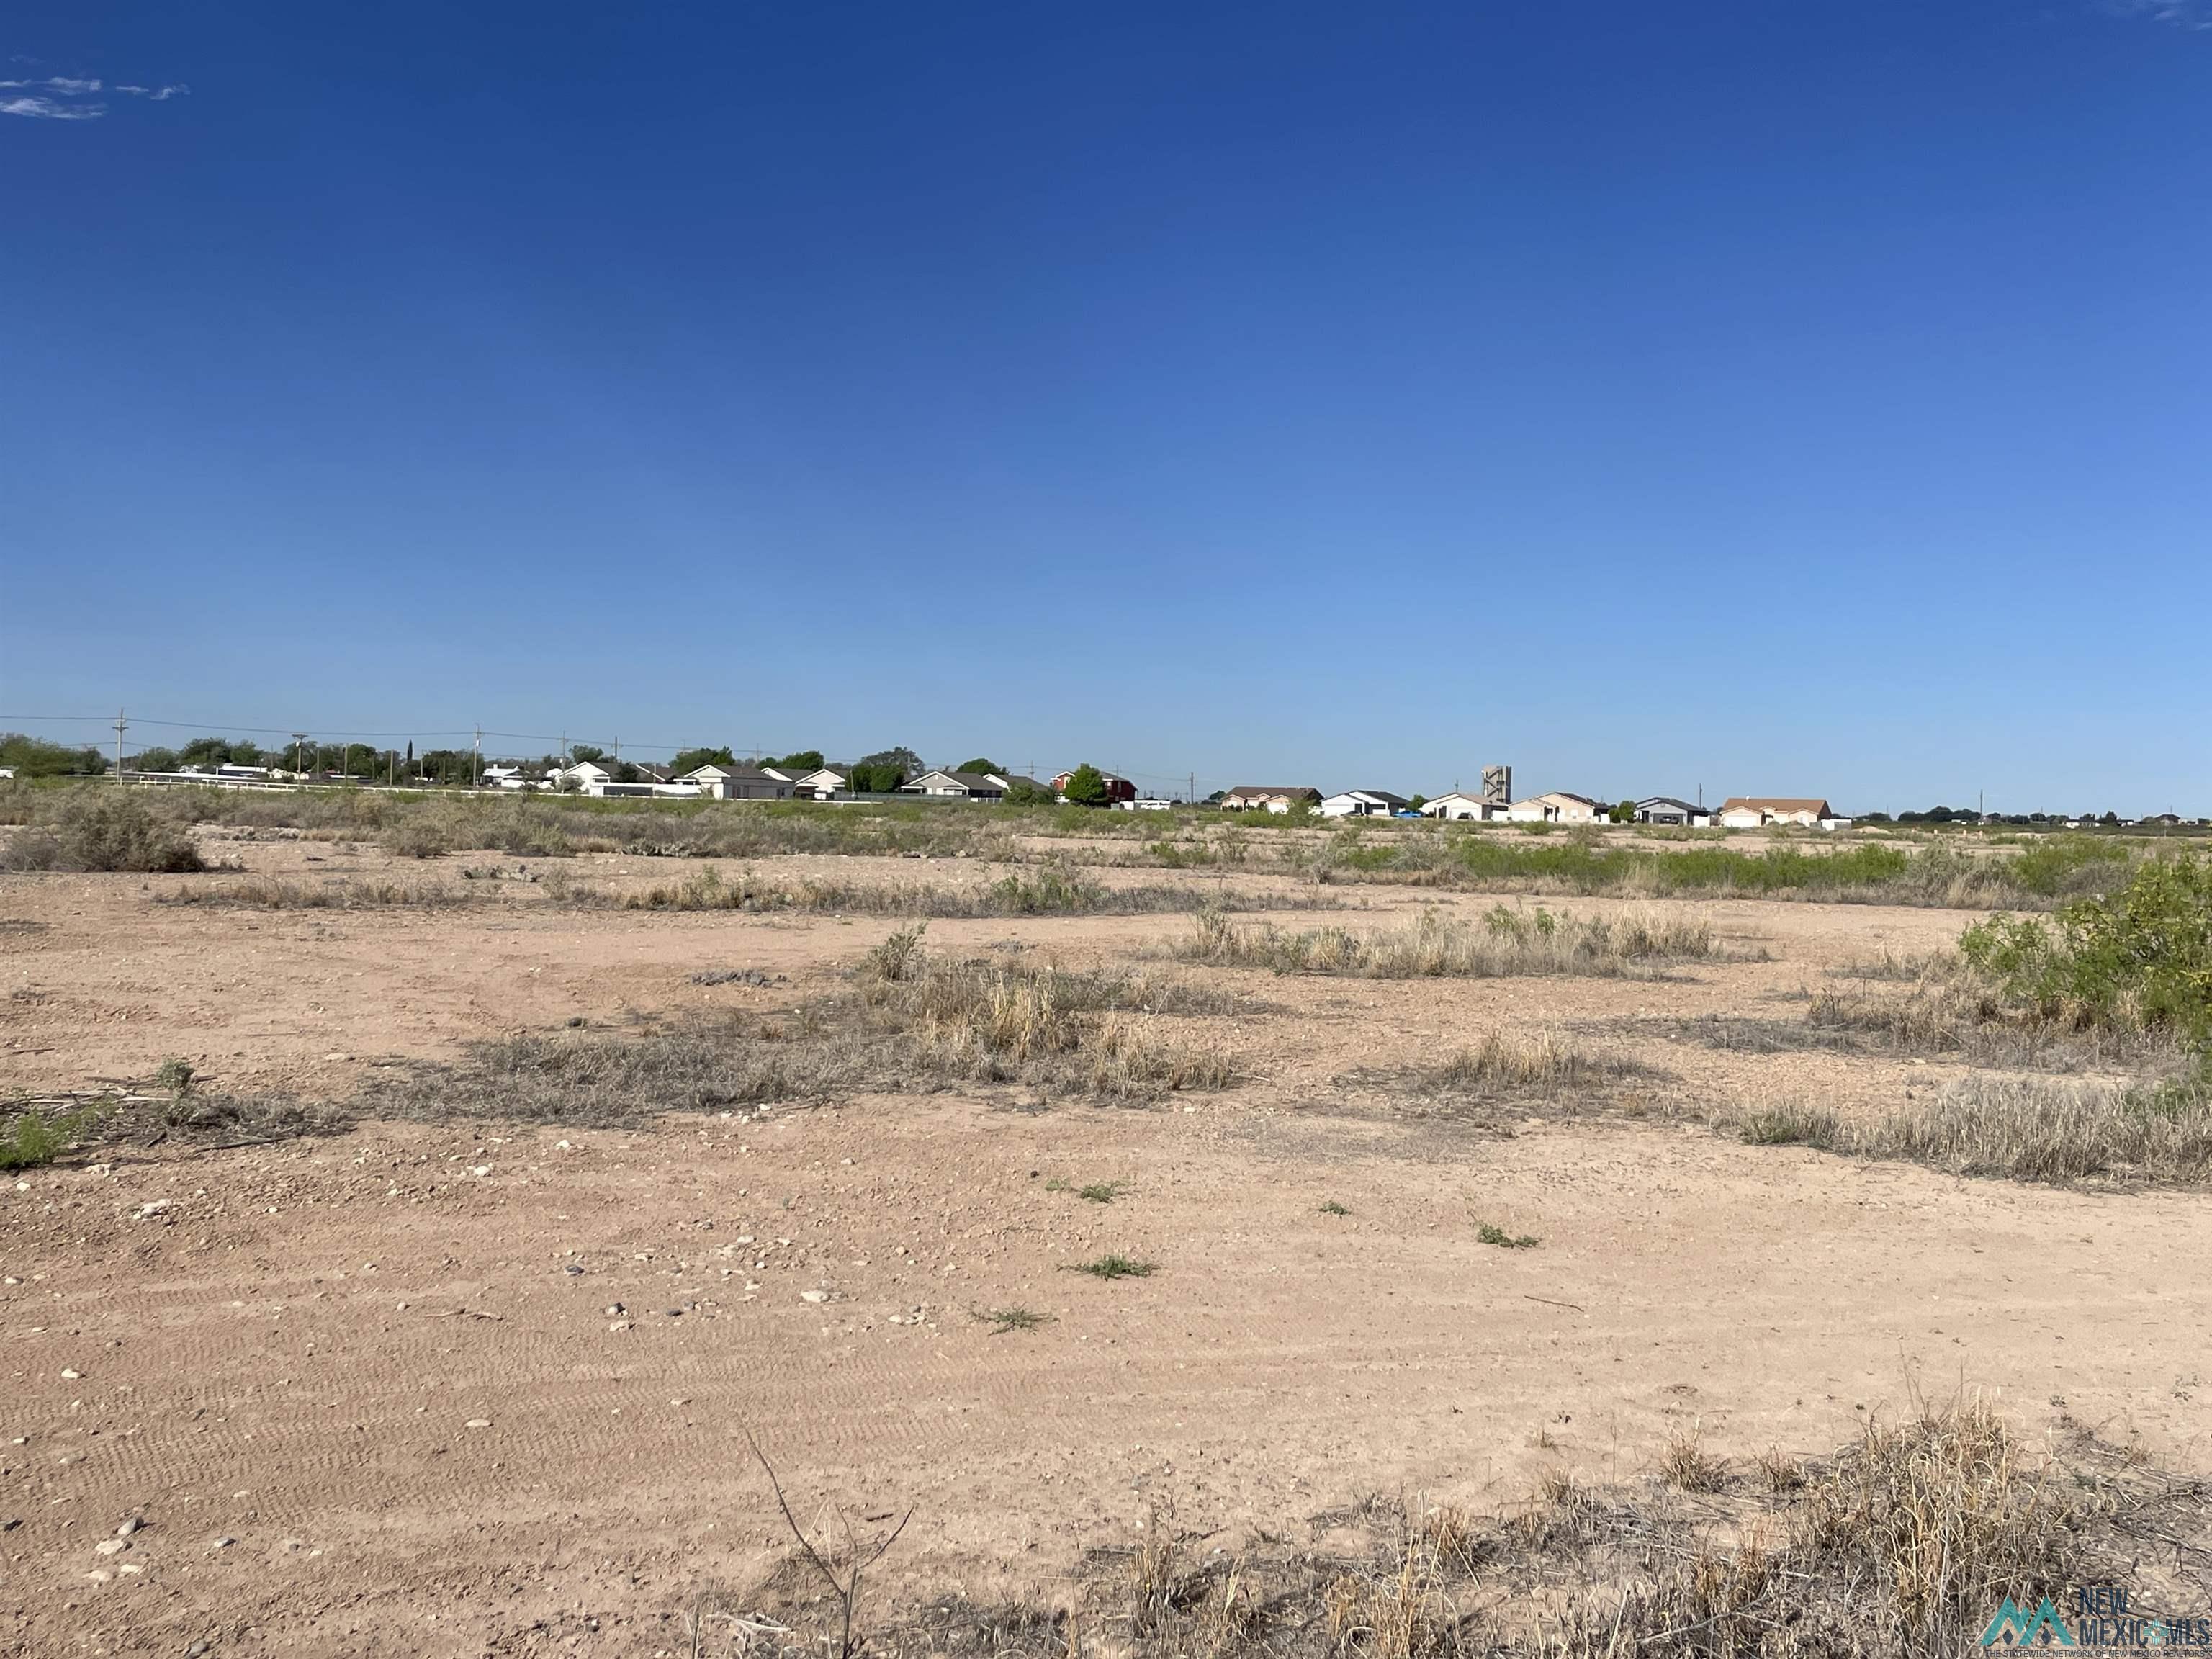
364, 1363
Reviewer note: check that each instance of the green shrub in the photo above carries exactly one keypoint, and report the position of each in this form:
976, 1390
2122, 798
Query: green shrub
33, 1138
2139, 957
103, 829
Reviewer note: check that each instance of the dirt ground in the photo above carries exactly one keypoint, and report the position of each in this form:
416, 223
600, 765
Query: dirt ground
483, 1388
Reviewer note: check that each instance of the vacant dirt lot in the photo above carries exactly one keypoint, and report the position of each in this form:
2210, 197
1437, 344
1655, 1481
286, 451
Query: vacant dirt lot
472, 1386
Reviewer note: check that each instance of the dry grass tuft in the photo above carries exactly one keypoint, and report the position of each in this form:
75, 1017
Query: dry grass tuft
1052, 891
100, 828
1687, 1467
1902, 1544
1547, 1065
912, 1021
2022, 1128
1507, 942
1952, 1017
270, 893
2038, 1128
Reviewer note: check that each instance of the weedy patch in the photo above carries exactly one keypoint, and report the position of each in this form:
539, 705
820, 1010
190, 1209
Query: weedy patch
104, 827
38, 1136
1115, 1266
2022, 1128
1790, 1127
269, 893
1507, 942
910, 1022
1687, 1467
1051, 891
1902, 1544
1003, 1321
1545, 1069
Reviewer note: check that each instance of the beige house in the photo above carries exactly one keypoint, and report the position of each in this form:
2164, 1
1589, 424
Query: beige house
1459, 805
1268, 797
1757, 812
1557, 807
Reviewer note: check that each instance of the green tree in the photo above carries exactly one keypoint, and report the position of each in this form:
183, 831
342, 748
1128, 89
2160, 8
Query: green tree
904, 761
691, 760
1086, 786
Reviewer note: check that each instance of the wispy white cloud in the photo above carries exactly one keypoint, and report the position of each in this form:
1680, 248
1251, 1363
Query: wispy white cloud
2181, 14
73, 97
50, 109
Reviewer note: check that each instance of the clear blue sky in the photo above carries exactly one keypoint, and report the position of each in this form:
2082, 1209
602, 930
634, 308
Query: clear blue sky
1783, 398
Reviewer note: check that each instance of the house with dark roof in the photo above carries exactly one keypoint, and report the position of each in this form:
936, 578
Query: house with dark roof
958, 786
1666, 809
1118, 788
1559, 806
738, 781
1363, 804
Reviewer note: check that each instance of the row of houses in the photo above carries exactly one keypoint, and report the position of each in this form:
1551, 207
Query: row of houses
739, 781
1557, 806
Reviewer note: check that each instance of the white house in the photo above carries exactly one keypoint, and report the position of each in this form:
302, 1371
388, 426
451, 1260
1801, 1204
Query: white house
1459, 805
958, 786
1269, 798
734, 782
1757, 812
1666, 809
598, 781
1362, 804
1557, 807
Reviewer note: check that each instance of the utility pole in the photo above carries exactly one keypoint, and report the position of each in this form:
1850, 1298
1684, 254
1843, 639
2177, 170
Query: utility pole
120, 723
